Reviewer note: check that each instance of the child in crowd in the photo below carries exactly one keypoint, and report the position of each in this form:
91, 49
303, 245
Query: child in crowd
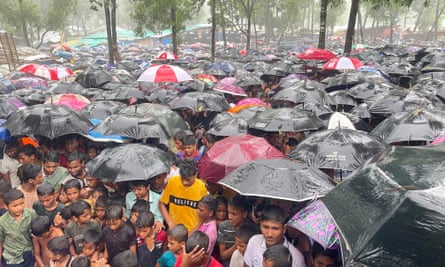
177, 236
206, 211
42, 231
72, 189
81, 213
189, 150
221, 210
125, 258
4, 187
92, 151
10, 164
139, 206
324, 257
92, 183
15, 229
91, 243
70, 145
53, 173
47, 204
117, 235
100, 206
242, 236
82, 261
30, 177
196, 252
60, 252
278, 256
27, 154
141, 190
150, 250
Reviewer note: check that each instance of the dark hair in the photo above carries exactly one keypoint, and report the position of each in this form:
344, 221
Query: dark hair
180, 135
273, 213
40, 225
4, 187
187, 168
189, 140
317, 250
77, 208
12, 195
140, 206
221, 200
28, 150
102, 189
245, 232
145, 219
125, 258
292, 141
116, 200
72, 183
12, 144
65, 213
138, 183
114, 212
75, 156
178, 232
29, 171
279, 255
81, 261
197, 238
101, 201
211, 138
240, 203
59, 245
92, 236
51, 156
210, 203
92, 146
45, 189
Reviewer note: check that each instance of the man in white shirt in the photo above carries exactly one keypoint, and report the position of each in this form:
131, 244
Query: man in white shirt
272, 225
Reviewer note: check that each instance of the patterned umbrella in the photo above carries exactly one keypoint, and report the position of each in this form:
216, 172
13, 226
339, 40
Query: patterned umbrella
164, 73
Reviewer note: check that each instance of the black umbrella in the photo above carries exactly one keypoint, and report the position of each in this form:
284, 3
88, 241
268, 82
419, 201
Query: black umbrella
285, 120
130, 162
418, 125
93, 78
303, 91
350, 79
161, 96
370, 89
64, 88
9, 105
121, 93
390, 211
229, 127
342, 98
248, 80
50, 121
250, 112
278, 179
133, 126
102, 109
343, 149
200, 101
335, 119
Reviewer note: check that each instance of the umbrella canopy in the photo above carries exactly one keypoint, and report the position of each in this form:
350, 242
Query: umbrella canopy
342, 63
316, 54
229, 127
304, 91
9, 105
285, 120
164, 73
225, 66
278, 179
51, 121
167, 55
170, 120
102, 109
130, 162
231, 152
133, 126
343, 149
390, 212
94, 78
61, 72
418, 125
73, 101
230, 89
200, 101
42, 71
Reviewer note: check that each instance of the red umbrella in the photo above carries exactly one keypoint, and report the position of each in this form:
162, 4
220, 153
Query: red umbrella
38, 70
164, 73
316, 54
229, 153
227, 86
61, 72
166, 55
73, 101
342, 63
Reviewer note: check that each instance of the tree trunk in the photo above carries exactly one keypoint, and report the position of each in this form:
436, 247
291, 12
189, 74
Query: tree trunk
24, 28
116, 55
323, 17
351, 26
419, 15
109, 34
174, 28
213, 47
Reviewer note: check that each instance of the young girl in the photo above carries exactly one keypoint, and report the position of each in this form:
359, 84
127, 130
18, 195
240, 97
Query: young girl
221, 210
206, 212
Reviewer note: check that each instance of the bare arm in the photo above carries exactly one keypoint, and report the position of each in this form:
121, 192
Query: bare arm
226, 252
72, 248
164, 212
37, 252
133, 249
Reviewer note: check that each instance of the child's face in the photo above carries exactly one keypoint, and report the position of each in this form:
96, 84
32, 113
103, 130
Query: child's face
25, 159
144, 232
189, 150
188, 181
56, 257
221, 212
174, 246
236, 216
134, 216
178, 144
157, 183
99, 212
50, 167
323, 261
48, 201
71, 145
240, 245
16, 207
203, 212
92, 153
12, 152
140, 191
75, 167
73, 194
88, 249
92, 182
114, 224
85, 217
38, 179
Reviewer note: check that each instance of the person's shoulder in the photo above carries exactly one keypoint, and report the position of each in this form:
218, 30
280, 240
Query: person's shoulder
258, 238
27, 212
214, 262
297, 256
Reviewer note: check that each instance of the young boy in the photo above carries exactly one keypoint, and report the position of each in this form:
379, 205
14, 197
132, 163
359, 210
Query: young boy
100, 206
60, 252
91, 243
278, 256
177, 236
10, 164
196, 252
151, 249
42, 232
189, 150
118, 236
4, 187
242, 236
321, 257
72, 189
15, 229
47, 205
141, 190
30, 177
52, 172
81, 213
